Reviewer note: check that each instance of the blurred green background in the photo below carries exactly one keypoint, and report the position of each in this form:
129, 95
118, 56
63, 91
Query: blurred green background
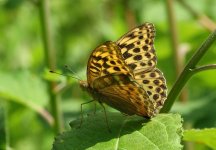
76, 28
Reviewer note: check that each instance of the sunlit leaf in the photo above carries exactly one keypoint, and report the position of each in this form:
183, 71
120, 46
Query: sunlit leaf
162, 132
26, 89
205, 136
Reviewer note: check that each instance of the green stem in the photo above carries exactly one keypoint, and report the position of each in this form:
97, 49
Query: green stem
187, 72
50, 62
4, 138
203, 68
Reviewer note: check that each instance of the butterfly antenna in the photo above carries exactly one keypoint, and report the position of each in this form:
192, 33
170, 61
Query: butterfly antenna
51, 71
74, 73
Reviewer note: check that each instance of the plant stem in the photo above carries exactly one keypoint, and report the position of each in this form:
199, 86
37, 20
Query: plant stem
187, 72
203, 68
50, 62
177, 59
173, 35
203, 19
4, 139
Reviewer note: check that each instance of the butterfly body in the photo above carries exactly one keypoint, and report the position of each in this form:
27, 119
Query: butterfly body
123, 75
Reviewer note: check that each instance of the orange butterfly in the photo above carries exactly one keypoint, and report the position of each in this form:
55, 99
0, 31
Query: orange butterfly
123, 74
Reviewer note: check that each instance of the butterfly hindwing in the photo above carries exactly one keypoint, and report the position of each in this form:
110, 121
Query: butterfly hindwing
137, 48
123, 94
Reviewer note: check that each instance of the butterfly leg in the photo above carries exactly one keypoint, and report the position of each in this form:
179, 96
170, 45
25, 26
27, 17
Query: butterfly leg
94, 108
105, 117
81, 121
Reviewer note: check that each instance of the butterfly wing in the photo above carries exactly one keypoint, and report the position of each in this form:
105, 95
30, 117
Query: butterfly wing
137, 48
105, 60
113, 84
115, 68
124, 95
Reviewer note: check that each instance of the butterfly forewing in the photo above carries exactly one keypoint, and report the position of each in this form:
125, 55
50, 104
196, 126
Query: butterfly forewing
105, 60
137, 48
122, 74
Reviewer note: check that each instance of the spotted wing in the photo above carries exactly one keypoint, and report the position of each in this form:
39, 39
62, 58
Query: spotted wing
105, 60
137, 48
111, 79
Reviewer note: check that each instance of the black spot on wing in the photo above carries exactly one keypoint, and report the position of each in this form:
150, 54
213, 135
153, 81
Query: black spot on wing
155, 96
113, 62
145, 81
145, 47
94, 68
147, 41
137, 57
127, 55
116, 68
148, 55
156, 82
97, 58
158, 89
136, 50
152, 74
149, 92
97, 65
142, 64
132, 66
140, 37
130, 46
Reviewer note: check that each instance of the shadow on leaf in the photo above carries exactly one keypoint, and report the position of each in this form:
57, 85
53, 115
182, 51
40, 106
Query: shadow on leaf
163, 131
94, 130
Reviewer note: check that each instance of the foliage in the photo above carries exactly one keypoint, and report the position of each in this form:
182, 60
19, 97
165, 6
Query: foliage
205, 136
126, 133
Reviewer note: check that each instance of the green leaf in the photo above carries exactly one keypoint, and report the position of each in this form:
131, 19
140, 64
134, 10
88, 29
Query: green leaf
26, 89
205, 136
162, 132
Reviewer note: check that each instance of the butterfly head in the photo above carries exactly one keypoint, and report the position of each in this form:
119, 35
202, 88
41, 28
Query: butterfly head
84, 85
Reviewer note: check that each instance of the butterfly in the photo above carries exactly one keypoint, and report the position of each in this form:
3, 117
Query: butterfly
123, 74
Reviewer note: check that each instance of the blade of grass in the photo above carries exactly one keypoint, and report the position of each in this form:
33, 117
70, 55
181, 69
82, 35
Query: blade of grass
204, 20
51, 62
178, 59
